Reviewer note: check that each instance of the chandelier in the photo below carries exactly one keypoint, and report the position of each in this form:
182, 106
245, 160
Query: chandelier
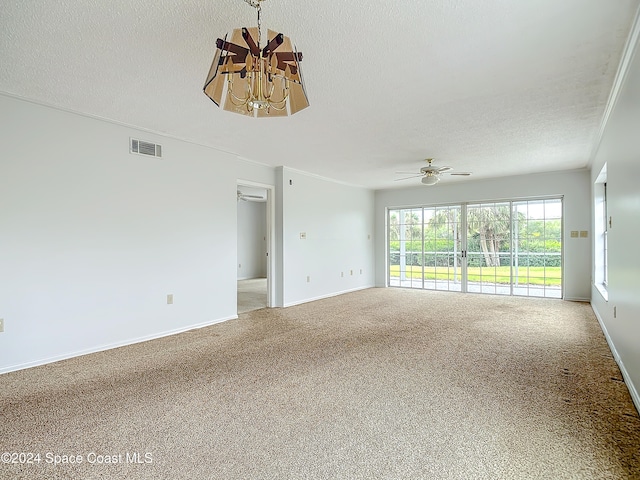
257, 81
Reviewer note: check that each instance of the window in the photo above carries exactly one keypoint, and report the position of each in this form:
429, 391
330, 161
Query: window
601, 240
605, 261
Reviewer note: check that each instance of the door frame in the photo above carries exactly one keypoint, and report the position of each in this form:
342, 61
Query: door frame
271, 219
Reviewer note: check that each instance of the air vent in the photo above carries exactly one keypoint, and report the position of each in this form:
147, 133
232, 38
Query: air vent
145, 148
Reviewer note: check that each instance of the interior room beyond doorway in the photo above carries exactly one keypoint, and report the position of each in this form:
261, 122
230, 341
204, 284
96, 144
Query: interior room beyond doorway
252, 273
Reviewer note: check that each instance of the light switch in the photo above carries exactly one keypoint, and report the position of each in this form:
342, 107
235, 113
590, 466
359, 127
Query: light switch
584, 234
574, 234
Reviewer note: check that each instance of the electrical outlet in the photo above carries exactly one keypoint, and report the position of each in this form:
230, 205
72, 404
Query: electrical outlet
1, 325
360, 271
351, 272
308, 278
615, 312
342, 274
170, 299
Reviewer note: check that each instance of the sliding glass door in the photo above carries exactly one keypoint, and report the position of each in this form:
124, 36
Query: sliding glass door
488, 248
502, 248
537, 248
405, 248
442, 260
425, 249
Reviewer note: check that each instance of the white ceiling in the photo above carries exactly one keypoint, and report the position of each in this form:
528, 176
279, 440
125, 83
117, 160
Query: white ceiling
496, 87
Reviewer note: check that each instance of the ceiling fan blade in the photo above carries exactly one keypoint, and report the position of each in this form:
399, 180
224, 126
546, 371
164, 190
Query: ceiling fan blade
246, 197
444, 169
462, 174
407, 178
406, 173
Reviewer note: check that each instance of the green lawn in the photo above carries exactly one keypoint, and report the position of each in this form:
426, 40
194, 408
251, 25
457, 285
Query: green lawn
549, 276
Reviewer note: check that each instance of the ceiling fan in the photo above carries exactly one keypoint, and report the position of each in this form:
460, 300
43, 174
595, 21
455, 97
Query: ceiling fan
431, 174
245, 197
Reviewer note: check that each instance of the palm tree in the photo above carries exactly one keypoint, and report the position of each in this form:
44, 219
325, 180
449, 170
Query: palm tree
411, 222
492, 224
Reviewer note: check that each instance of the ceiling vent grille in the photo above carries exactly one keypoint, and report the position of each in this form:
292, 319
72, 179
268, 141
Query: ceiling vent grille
145, 148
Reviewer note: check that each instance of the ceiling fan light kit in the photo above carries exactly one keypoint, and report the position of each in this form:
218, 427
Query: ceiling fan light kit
431, 174
430, 179
249, 79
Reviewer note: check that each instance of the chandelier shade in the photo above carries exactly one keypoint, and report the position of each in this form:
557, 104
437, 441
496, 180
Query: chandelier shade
256, 81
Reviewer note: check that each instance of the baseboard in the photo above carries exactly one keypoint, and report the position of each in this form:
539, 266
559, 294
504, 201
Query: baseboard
627, 378
335, 294
578, 299
632, 388
102, 348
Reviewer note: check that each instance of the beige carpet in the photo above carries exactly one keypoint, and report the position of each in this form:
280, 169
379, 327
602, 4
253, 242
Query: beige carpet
252, 294
381, 383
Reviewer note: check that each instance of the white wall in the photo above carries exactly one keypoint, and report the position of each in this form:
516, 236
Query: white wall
620, 150
92, 238
337, 255
252, 236
573, 185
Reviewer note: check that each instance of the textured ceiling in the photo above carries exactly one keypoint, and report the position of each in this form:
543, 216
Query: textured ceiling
495, 87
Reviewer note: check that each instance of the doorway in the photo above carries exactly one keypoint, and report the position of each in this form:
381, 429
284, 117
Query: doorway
253, 246
509, 247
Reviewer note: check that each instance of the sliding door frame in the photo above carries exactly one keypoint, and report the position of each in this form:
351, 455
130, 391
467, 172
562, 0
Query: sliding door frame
464, 244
